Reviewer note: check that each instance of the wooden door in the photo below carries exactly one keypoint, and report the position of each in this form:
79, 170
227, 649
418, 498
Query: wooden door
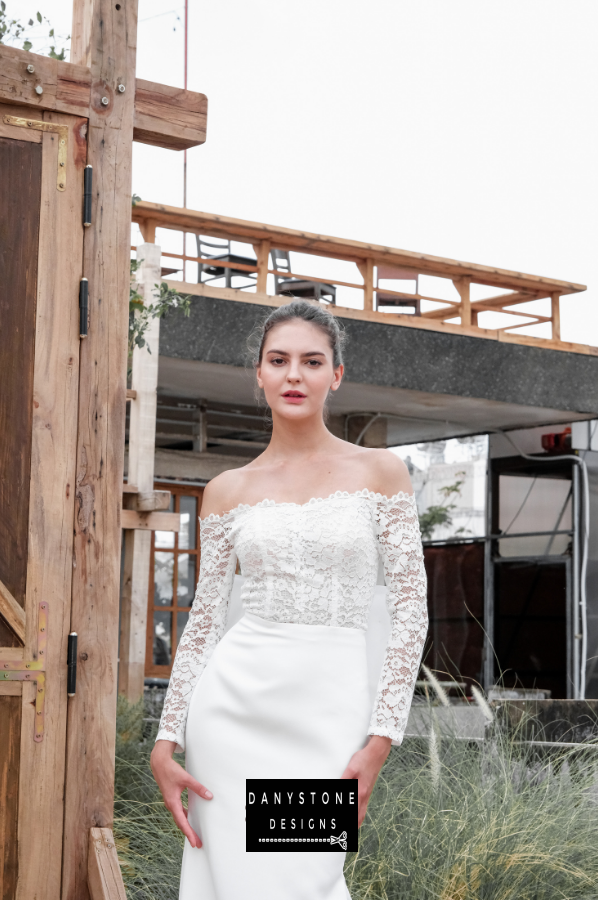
41, 251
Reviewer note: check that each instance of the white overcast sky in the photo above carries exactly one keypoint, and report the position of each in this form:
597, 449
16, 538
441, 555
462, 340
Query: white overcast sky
459, 128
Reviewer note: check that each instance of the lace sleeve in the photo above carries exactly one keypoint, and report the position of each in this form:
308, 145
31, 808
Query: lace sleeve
400, 545
204, 628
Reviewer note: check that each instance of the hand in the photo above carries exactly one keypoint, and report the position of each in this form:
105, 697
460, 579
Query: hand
172, 780
365, 765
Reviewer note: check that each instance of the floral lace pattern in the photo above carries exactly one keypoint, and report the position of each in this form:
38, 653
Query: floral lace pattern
311, 564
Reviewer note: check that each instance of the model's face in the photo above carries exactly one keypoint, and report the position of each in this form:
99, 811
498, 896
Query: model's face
296, 371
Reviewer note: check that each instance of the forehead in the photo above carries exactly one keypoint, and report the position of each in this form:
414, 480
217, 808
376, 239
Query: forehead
297, 335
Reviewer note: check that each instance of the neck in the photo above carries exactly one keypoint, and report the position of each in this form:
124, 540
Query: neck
295, 440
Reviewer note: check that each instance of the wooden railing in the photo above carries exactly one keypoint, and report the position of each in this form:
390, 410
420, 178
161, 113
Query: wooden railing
461, 314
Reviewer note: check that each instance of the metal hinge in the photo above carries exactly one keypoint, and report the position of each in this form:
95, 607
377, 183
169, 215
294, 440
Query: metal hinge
62, 132
32, 670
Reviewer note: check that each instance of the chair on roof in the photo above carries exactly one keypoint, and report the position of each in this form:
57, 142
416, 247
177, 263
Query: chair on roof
298, 287
402, 301
215, 249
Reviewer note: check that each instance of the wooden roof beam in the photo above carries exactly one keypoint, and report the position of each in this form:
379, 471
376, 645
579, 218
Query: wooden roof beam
354, 251
164, 116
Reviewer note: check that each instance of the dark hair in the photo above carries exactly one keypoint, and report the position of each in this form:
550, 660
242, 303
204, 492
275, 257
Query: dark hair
308, 312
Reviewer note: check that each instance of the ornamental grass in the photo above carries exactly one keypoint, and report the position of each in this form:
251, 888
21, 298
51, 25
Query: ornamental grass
449, 819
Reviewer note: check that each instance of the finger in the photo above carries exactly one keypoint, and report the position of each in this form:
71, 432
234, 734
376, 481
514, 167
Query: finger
180, 820
197, 788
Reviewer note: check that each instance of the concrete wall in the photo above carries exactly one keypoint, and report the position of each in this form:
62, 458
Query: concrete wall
408, 358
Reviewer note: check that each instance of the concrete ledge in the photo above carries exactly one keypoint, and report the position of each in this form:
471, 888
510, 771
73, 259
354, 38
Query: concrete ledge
411, 359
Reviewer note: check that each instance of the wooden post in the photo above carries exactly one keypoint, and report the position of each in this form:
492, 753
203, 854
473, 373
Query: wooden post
104, 38
142, 439
105, 880
367, 272
148, 230
463, 286
262, 252
556, 316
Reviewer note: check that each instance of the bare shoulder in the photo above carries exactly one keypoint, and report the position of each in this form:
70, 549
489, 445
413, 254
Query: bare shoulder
221, 493
387, 472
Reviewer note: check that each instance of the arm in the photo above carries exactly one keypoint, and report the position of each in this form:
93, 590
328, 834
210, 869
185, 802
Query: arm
204, 628
400, 546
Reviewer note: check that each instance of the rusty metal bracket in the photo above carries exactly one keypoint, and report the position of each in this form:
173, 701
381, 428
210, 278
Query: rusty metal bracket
32, 670
62, 132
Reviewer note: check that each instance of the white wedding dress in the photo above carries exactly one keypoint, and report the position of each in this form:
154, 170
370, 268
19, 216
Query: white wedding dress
284, 694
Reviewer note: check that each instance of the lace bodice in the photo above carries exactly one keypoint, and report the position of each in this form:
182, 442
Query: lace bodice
311, 564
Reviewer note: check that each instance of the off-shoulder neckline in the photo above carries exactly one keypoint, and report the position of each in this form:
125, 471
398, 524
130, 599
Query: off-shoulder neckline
313, 501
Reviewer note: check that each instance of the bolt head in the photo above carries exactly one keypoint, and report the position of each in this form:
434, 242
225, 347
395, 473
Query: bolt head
121, 89
30, 69
39, 90
104, 101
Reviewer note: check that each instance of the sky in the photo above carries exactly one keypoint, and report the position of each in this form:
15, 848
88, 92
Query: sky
463, 129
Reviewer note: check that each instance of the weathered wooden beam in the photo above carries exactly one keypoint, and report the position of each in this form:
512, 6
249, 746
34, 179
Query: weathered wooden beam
556, 316
463, 286
169, 117
149, 501
164, 116
262, 251
103, 869
52, 85
12, 613
103, 39
150, 521
339, 248
142, 439
491, 303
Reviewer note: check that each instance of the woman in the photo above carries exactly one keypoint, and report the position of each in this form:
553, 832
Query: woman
284, 694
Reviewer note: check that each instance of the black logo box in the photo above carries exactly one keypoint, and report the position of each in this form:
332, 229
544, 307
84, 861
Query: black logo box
301, 815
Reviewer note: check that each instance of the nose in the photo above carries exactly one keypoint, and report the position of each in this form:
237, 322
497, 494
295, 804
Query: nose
294, 372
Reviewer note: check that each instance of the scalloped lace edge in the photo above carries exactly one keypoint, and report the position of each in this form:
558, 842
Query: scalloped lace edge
337, 495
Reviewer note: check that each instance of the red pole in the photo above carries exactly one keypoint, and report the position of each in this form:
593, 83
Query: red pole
185, 152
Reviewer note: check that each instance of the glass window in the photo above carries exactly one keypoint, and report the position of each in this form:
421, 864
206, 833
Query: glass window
175, 565
163, 575
164, 539
188, 510
181, 621
186, 579
162, 639
449, 482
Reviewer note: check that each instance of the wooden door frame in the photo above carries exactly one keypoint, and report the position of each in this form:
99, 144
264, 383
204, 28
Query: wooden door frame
176, 489
51, 506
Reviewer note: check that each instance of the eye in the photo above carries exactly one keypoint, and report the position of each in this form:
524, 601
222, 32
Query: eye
314, 363
277, 361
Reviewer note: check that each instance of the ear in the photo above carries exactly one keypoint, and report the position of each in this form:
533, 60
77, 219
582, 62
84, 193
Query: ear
338, 377
258, 375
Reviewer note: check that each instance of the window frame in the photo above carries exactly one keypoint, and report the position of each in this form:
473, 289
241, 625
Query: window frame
177, 490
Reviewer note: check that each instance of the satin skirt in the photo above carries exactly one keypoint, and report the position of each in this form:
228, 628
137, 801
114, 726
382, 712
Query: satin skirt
275, 701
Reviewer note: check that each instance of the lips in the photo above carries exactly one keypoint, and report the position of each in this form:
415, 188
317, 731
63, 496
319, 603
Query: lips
294, 395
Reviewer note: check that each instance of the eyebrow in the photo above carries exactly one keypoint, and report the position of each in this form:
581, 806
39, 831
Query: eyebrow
285, 353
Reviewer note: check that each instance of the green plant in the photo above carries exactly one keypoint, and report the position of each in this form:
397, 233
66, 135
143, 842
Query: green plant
441, 514
150, 847
12, 30
140, 315
456, 820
